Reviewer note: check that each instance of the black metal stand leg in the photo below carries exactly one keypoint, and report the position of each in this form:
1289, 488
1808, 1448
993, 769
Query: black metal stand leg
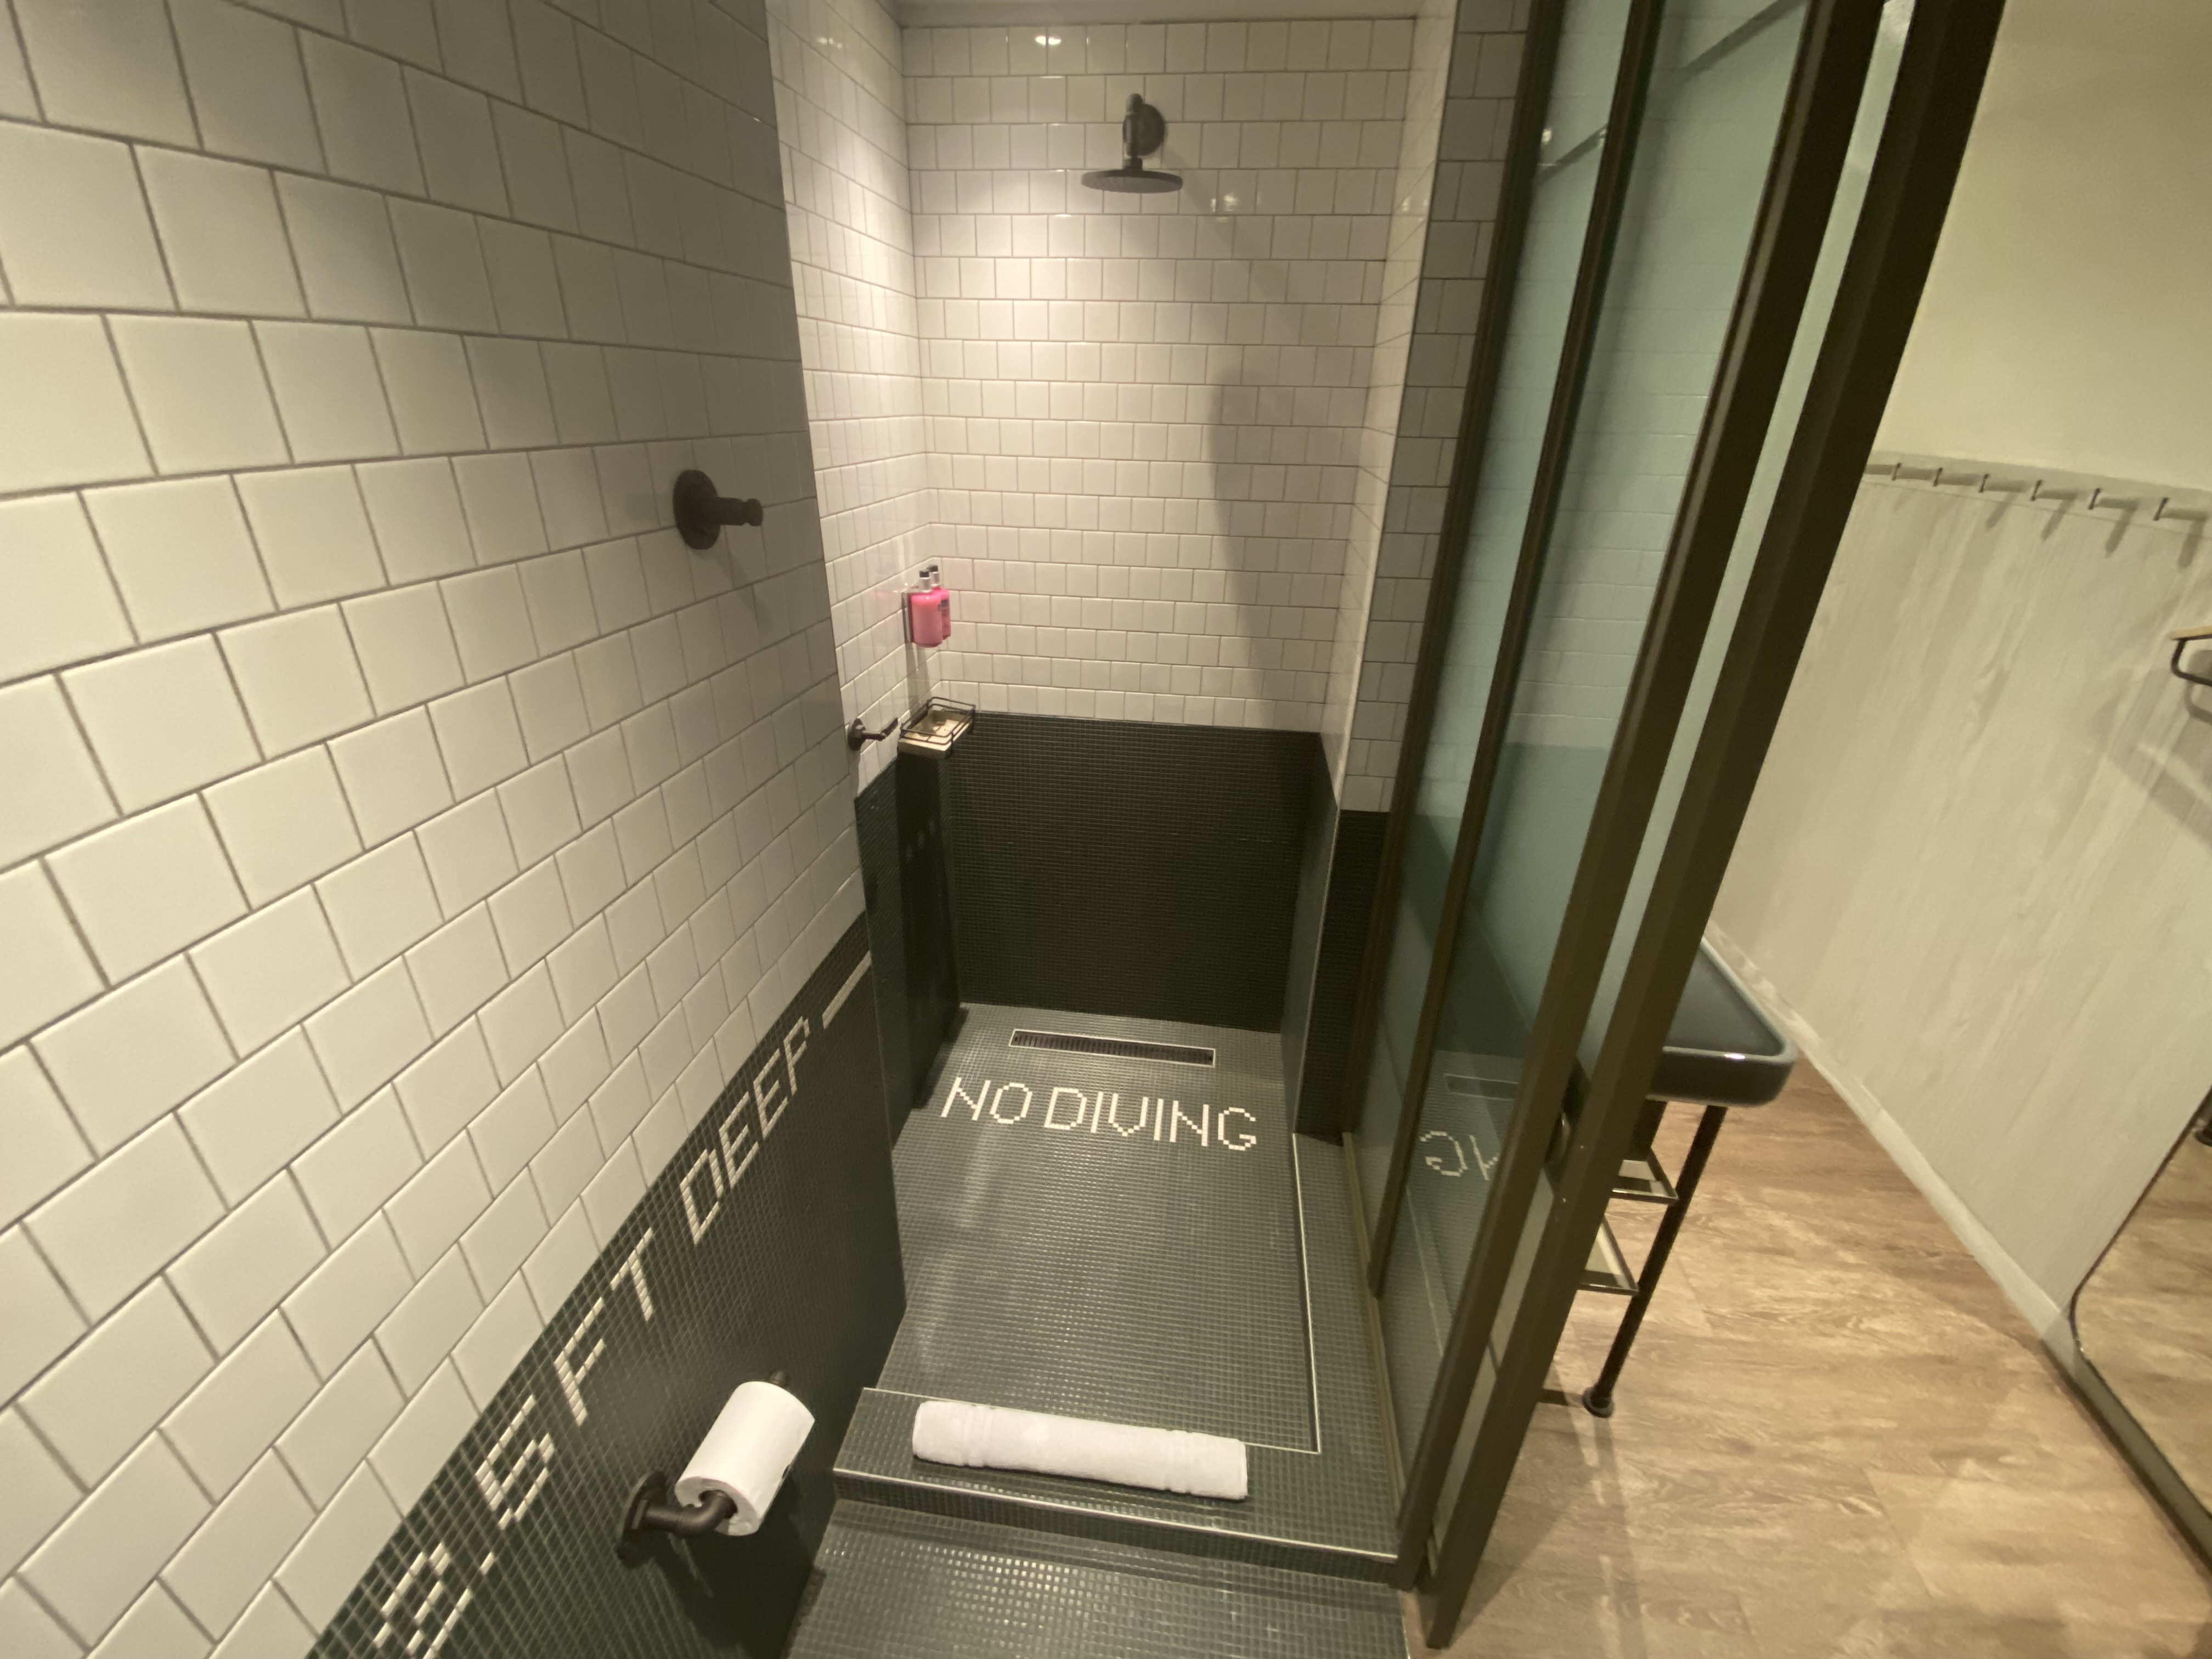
1598, 1397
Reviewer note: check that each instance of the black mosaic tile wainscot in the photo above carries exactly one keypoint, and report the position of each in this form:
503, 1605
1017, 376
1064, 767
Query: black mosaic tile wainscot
1355, 868
769, 1242
1126, 867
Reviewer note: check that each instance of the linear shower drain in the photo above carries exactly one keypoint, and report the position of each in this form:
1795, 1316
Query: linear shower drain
1174, 1054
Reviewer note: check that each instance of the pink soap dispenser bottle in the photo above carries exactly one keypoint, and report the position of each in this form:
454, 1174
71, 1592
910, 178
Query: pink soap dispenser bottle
929, 611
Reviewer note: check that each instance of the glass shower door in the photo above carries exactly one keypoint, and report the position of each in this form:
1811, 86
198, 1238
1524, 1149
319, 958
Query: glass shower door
1663, 183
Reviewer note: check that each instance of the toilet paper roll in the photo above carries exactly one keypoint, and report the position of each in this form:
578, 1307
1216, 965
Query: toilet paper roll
747, 1453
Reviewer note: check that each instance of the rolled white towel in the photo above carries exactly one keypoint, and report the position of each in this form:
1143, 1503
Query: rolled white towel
994, 1438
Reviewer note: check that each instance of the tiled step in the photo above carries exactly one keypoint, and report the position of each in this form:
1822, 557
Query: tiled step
892, 1583
1292, 1521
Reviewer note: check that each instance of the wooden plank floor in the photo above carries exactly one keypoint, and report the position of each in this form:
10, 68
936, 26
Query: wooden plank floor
1835, 1437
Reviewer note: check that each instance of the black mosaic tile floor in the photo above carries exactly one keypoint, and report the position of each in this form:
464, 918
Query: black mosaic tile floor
892, 1584
1208, 1329
1106, 1237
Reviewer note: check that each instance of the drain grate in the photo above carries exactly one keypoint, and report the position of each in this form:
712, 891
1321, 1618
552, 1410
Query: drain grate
1174, 1054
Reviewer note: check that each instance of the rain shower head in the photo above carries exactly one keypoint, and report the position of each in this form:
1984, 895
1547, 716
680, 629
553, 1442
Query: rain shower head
1144, 130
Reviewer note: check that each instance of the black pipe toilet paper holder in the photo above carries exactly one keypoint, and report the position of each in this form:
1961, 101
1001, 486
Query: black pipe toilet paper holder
651, 1506
702, 510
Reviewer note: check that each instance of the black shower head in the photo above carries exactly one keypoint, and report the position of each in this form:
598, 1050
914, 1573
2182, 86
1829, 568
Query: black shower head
1144, 130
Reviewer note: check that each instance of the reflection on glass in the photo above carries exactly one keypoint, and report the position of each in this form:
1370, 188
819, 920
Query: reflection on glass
1582, 86
1717, 91
2144, 1315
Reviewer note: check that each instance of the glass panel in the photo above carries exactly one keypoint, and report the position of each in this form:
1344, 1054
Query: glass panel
1843, 222
1559, 215
2143, 1317
1719, 85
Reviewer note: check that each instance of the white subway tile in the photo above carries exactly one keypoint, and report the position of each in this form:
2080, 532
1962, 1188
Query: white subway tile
247, 86
109, 66
457, 970
270, 970
520, 1023
406, 650
319, 1573
250, 1123
96, 1562
64, 420
155, 1627
468, 852
444, 265
328, 391
574, 1066
433, 399
497, 1242
559, 1263
299, 677
392, 775
353, 1169
540, 811
73, 229
43, 1147
313, 530
199, 390
284, 823
163, 721
478, 735
149, 886
111, 1230
423, 1329
28, 1630
379, 905
39, 1491
244, 1265
223, 1565
268, 1628
478, 47
460, 158
445, 1089
415, 1447
134, 1054
340, 1303
495, 1345
513, 1129
56, 791
41, 1323
431, 1210
236, 1414
366, 1036
525, 286
342, 239
416, 511
328, 1439
613, 1194
499, 494
99, 1402
362, 113
181, 554
491, 621
222, 234
531, 915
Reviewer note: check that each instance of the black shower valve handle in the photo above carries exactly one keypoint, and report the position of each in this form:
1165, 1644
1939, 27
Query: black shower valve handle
702, 510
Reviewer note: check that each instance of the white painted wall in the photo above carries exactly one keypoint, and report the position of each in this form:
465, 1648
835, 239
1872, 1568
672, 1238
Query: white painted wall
2065, 323
1977, 871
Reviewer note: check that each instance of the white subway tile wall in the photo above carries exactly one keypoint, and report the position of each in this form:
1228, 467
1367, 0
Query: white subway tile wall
1145, 410
406, 833
1467, 57
840, 115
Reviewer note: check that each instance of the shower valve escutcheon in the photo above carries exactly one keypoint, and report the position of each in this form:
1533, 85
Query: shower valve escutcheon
702, 510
